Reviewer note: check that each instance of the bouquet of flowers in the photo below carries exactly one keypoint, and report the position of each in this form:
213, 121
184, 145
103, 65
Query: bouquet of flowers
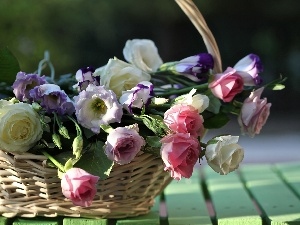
86, 122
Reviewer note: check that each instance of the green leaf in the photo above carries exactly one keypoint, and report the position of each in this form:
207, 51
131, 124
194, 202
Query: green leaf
278, 87
216, 121
95, 162
9, 66
214, 104
153, 141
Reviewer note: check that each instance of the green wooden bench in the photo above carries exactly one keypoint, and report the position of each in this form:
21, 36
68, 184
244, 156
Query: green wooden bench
255, 194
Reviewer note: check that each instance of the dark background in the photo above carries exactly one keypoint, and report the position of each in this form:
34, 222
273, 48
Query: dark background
80, 33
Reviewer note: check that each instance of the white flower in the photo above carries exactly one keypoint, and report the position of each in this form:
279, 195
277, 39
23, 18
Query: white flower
138, 96
120, 76
20, 127
223, 155
97, 106
143, 54
198, 101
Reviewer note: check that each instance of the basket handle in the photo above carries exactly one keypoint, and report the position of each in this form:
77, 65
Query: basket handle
195, 16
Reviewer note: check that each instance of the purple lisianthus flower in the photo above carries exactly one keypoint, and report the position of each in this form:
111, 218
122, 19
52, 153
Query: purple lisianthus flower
138, 96
84, 76
123, 143
24, 83
52, 99
249, 67
193, 65
96, 106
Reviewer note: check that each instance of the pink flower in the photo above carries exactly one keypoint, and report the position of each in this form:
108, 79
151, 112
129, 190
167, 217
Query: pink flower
254, 113
227, 85
79, 186
183, 118
123, 143
180, 153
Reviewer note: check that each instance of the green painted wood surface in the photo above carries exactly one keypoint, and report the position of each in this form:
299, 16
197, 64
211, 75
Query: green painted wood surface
84, 221
185, 202
290, 173
280, 205
38, 221
232, 204
5, 221
152, 218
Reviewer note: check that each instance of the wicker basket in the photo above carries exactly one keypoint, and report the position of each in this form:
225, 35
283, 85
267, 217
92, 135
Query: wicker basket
29, 188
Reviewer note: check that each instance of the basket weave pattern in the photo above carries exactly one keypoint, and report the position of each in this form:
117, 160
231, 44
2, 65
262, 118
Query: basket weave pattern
30, 188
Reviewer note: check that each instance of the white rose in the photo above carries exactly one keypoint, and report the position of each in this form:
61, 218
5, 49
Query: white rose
198, 101
120, 76
20, 127
143, 54
223, 155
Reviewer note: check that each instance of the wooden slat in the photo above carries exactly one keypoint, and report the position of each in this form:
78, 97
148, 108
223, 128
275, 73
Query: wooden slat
185, 202
85, 221
152, 218
231, 201
280, 205
5, 221
290, 172
37, 221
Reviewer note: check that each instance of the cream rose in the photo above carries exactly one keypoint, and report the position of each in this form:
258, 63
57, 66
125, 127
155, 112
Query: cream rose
223, 154
20, 127
143, 54
198, 101
120, 76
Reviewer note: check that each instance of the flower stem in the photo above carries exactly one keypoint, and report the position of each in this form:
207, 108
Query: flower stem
78, 129
185, 90
54, 161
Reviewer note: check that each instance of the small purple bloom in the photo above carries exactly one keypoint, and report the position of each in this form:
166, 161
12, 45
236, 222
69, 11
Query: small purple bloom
249, 67
24, 83
52, 99
84, 76
138, 96
96, 106
194, 66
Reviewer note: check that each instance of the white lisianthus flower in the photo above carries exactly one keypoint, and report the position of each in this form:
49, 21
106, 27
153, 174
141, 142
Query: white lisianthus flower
120, 76
20, 126
223, 154
198, 101
138, 96
97, 106
143, 54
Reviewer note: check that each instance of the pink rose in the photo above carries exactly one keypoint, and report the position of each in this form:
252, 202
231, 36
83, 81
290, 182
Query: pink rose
183, 118
227, 85
79, 186
123, 144
254, 113
180, 153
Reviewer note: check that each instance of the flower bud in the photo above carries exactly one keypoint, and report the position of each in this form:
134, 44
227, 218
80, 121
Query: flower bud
77, 146
36, 106
56, 140
14, 100
68, 165
64, 132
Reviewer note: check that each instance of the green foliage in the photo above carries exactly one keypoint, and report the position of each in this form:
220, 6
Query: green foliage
95, 162
216, 121
9, 66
